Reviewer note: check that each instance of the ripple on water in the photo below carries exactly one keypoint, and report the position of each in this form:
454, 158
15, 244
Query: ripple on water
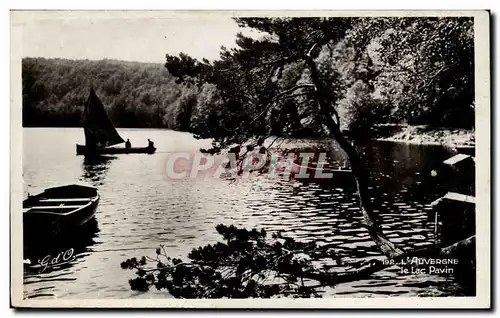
140, 209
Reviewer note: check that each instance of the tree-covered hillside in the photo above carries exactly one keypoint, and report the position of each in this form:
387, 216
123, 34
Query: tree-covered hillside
374, 70
416, 71
135, 94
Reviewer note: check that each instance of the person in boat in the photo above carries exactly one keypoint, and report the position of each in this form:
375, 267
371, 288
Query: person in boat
260, 142
150, 144
128, 145
233, 151
236, 151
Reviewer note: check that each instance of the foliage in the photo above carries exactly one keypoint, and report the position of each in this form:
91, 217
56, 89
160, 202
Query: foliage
419, 70
312, 76
246, 264
373, 70
135, 94
254, 81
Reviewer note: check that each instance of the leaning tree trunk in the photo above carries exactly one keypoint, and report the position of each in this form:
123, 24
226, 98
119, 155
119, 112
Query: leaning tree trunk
360, 173
464, 249
370, 219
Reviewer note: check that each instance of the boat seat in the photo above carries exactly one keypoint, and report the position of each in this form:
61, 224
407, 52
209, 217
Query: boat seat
65, 200
56, 207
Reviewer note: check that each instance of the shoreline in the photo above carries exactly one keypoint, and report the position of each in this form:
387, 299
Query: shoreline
424, 135
412, 135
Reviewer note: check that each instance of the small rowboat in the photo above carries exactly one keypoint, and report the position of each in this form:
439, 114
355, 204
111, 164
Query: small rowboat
59, 208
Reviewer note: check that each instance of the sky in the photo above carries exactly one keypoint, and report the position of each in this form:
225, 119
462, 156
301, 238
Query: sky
143, 37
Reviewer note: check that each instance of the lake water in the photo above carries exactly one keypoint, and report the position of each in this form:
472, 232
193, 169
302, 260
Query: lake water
140, 208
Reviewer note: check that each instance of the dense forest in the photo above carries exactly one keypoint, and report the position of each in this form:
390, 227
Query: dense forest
378, 70
135, 94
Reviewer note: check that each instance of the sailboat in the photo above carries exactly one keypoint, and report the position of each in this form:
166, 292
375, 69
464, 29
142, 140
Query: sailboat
100, 134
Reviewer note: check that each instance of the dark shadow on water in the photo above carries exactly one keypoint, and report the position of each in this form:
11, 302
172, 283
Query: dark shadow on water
403, 180
45, 244
406, 170
95, 168
395, 169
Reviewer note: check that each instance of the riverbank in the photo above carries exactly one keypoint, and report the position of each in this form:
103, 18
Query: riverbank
425, 135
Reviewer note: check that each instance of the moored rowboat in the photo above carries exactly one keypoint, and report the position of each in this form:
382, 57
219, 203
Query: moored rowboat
59, 208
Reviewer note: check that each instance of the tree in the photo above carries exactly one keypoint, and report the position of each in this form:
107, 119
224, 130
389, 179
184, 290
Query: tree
421, 70
276, 85
238, 268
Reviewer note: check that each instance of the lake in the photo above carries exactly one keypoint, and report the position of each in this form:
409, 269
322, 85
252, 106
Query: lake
140, 208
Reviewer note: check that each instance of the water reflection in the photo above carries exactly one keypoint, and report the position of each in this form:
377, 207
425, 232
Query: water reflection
405, 170
48, 260
95, 168
37, 246
140, 209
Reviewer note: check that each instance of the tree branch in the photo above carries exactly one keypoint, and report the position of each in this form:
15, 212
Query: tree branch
309, 53
280, 96
283, 94
291, 96
280, 61
434, 76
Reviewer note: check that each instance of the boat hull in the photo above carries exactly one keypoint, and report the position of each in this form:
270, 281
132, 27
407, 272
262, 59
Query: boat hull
80, 217
51, 222
83, 150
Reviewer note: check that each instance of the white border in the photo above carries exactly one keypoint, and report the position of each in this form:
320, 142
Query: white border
483, 182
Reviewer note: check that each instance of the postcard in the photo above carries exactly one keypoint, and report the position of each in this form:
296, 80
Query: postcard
250, 159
